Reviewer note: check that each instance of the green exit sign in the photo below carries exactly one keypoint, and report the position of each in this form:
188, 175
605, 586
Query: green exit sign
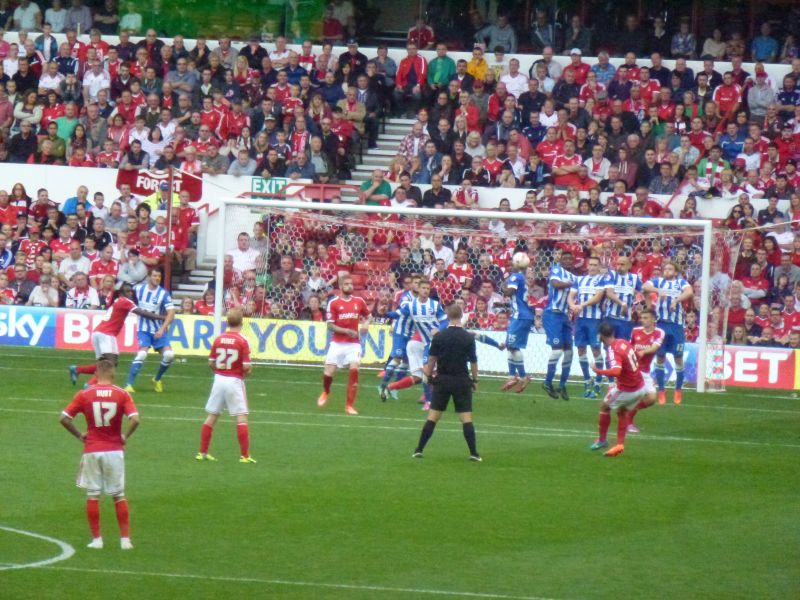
273, 185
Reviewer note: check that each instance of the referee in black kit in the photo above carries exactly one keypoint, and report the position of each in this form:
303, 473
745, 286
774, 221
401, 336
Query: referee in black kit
450, 351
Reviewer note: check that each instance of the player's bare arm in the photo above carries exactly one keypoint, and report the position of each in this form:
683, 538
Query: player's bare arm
574, 306
611, 294
508, 290
165, 326
429, 367
651, 349
687, 293
560, 285
598, 297
343, 330
147, 314
69, 425
133, 424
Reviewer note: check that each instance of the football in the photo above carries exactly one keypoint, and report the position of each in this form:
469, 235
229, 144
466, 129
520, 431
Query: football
521, 260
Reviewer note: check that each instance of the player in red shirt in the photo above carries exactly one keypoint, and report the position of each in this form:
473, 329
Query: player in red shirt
625, 394
346, 314
230, 361
646, 340
104, 337
103, 463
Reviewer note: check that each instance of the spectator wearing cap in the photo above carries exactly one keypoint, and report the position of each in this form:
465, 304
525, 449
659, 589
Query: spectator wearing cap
158, 200
354, 58
578, 69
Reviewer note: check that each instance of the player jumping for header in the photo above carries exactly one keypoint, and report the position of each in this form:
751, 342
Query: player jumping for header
557, 326
230, 361
519, 327
104, 337
672, 290
346, 314
624, 394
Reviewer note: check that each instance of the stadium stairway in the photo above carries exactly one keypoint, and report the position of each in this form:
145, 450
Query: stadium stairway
197, 282
388, 143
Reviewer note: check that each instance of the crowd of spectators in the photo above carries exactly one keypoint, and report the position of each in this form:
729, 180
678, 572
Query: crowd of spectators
582, 139
76, 252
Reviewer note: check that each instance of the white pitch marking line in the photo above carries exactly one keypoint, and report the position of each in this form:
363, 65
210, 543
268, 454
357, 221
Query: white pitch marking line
66, 550
542, 432
309, 584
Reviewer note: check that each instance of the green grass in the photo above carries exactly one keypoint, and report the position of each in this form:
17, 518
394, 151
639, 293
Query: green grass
703, 504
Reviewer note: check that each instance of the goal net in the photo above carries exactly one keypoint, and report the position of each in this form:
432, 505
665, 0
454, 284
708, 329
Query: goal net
280, 261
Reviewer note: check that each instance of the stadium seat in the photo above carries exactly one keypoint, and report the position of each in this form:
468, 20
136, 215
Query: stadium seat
363, 267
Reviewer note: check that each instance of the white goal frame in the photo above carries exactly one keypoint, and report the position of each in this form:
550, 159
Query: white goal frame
703, 226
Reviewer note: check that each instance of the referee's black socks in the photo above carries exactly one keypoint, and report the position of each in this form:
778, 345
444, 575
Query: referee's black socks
469, 435
427, 432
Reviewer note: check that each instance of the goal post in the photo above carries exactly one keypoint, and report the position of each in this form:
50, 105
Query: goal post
366, 239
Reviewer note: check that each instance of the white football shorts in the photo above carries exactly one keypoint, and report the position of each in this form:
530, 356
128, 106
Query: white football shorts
102, 472
649, 386
227, 392
416, 357
104, 344
343, 354
616, 399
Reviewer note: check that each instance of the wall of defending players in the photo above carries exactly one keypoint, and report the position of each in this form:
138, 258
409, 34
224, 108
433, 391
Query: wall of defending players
306, 342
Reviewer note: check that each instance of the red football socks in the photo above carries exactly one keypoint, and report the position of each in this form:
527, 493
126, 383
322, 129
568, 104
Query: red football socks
405, 382
86, 369
603, 422
327, 380
123, 517
93, 514
622, 426
352, 387
205, 438
243, 433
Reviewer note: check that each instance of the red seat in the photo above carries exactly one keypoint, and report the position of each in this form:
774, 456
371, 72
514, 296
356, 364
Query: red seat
369, 296
379, 266
379, 254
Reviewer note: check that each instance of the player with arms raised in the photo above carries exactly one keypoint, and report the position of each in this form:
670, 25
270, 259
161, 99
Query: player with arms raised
589, 291
102, 467
557, 326
155, 299
345, 315
402, 330
104, 337
519, 327
230, 361
628, 389
646, 341
621, 289
672, 291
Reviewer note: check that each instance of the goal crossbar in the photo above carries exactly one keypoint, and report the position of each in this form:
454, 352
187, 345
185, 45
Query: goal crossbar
702, 226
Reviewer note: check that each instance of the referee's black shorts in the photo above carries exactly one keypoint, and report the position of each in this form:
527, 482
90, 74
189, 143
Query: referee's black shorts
457, 388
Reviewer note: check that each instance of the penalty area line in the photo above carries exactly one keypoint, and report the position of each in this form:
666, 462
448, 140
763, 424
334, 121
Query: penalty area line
306, 584
67, 551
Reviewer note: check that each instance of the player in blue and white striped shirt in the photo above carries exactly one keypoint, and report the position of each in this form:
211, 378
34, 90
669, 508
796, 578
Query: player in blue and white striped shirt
519, 327
402, 328
150, 296
585, 300
557, 326
673, 290
428, 317
621, 289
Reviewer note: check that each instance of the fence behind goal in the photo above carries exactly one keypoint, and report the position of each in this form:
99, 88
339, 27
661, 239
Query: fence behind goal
301, 250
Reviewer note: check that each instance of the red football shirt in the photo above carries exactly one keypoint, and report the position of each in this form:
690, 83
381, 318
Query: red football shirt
641, 339
103, 407
230, 352
98, 270
620, 354
114, 320
347, 314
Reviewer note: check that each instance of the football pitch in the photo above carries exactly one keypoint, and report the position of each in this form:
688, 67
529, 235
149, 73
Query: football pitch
703, 504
